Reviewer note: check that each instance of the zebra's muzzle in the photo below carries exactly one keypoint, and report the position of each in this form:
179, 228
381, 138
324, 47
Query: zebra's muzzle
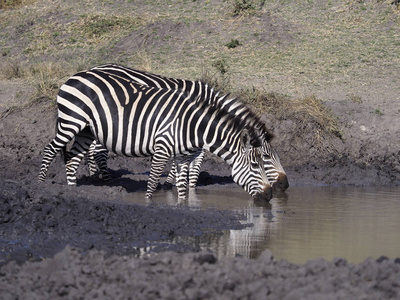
265, 195
281, 183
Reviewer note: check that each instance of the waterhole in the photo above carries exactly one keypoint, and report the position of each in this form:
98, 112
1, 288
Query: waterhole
305, 222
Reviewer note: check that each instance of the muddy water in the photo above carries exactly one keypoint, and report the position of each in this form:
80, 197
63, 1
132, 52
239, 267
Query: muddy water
305, 222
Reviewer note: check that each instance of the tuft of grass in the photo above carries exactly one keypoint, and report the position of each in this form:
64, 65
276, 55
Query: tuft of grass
143, 61
243, 7
9, 4
95, 26
309, 113
221, 66
233, 44
217, 80
46, 80
356, 99
377, 112
11, 70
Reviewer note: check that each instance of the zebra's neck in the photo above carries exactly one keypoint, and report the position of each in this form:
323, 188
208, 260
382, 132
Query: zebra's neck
219, 133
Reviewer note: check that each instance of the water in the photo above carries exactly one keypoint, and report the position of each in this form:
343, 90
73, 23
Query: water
306, 222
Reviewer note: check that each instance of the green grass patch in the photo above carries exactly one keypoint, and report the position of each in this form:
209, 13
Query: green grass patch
233, 44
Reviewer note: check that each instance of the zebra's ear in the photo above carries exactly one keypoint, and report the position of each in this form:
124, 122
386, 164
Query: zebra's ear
245, 138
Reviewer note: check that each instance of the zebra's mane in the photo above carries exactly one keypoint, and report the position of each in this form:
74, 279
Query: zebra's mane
247, 118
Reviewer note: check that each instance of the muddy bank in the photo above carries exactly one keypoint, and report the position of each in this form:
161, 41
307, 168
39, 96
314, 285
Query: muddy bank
60, 242
92, 275
37, 223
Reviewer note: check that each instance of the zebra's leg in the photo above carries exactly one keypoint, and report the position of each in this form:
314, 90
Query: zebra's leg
158, 162
194, 169
91, 159
81, 145
182, 167
101, 157
65, 132
49, 152
171, 175
71, 167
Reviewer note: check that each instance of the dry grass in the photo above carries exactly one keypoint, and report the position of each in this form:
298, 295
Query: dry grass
11, 70
243, 7
309, 113
9, 4
46, 80
308, 43
95, 28
216, 78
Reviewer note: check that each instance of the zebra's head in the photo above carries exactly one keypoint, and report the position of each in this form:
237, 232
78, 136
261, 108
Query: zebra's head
273, 168
248, 169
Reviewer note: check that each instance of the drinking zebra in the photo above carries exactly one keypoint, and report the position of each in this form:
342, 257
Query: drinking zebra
134, 120
274, 170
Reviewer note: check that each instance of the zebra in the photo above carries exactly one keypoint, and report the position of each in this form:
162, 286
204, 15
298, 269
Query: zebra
135, 120
274, 170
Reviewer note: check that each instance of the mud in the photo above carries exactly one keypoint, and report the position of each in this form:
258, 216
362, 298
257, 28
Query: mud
38, 223
72, 274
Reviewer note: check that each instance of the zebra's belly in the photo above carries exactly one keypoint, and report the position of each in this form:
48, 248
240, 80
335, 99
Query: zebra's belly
131, 151
124, 143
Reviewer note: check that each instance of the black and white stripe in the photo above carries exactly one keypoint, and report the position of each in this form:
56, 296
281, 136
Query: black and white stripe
131, 119
274, 170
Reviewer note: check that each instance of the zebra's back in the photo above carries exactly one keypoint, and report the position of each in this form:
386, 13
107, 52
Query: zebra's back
124, 116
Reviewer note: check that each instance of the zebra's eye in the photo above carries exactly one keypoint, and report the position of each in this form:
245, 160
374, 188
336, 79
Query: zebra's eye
254, 165
266, 156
